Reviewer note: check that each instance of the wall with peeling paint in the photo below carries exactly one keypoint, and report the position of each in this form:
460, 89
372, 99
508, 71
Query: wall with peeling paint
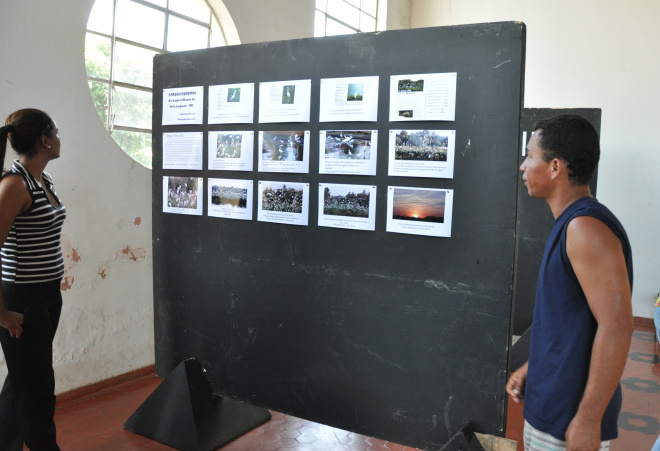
585, 54
107, 326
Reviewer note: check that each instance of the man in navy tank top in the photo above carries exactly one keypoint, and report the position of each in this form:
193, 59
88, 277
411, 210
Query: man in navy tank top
583, 319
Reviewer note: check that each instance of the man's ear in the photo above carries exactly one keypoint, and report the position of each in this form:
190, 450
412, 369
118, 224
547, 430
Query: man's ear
558, 167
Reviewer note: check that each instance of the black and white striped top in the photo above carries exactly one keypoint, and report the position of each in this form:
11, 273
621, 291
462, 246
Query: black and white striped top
32, 252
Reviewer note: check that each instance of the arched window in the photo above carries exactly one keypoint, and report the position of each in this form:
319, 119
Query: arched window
122, 38
334, 17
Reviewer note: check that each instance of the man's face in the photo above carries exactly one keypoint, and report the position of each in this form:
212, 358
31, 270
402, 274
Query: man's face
536, 172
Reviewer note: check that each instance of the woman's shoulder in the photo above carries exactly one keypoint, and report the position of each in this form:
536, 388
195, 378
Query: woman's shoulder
15, 197
10, 178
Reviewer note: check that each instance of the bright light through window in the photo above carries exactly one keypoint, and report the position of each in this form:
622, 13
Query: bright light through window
334, 17
123, 36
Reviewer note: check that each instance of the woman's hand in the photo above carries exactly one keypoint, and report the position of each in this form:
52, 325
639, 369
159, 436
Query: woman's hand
12, 321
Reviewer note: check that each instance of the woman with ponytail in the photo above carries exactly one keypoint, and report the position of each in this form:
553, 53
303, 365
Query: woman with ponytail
31, 218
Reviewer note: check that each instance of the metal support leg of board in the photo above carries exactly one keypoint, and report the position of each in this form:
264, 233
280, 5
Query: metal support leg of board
184, 413
468, 440
463, 440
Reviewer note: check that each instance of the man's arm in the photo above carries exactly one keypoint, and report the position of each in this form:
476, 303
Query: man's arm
597, 258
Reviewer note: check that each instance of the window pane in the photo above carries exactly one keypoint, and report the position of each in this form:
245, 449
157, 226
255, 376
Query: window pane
321, 5
370, 7
217, 38
131, 108
319, 24
196, 9
355, 3
341, 10
184, 35
140, 23
367, 23
136, 145
334, 28
100, 19
133, 65
97, 56
99, 93
162, 3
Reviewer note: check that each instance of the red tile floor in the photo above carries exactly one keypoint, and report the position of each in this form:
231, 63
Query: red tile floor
95, 422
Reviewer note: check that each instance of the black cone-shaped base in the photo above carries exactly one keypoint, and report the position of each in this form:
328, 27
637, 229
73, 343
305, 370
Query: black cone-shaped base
463, 440
184, 413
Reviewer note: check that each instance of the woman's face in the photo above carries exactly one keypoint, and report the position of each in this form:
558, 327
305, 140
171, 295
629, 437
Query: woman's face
53, 142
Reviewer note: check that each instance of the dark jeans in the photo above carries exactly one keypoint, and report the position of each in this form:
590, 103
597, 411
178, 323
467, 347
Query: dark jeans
27, 399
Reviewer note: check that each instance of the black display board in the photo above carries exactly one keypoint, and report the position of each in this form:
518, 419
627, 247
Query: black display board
396, 336
536, 222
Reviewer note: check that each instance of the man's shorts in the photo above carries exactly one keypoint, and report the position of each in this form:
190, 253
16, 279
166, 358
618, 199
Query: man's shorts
536, 440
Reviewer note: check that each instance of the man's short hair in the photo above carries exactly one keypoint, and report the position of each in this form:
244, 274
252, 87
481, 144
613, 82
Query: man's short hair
573, 139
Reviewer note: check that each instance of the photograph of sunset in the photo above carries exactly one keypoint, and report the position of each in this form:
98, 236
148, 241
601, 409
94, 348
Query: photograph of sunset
425, 205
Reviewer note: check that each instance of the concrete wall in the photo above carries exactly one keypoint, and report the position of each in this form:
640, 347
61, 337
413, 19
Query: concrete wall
107, 324
605, 55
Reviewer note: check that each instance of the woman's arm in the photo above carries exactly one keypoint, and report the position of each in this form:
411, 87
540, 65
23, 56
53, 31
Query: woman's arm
14, 199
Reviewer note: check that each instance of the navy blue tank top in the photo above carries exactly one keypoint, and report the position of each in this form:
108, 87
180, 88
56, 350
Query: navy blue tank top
563, 332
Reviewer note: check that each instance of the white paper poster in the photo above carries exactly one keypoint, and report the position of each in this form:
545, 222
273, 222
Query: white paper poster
229, 198
183, 150
183, 106
419, 211
347, 206
183, 195
422, 153
284, 101
423, 97
283, 202
231, 104
349, 152
352, 99
284, 151
231, 151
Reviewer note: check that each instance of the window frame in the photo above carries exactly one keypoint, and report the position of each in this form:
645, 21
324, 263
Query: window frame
361, 11
111, 82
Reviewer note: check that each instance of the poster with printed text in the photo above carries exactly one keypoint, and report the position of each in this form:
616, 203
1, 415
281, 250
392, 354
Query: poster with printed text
231, 104
284, 151
284, 101
283, 202
423, 97
352, 99
183, 106
348, 152
183, 195
422, 153
231, 151
230, 198
347, 206
419, 211
183, 150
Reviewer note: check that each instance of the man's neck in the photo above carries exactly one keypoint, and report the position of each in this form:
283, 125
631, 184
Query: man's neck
561, 200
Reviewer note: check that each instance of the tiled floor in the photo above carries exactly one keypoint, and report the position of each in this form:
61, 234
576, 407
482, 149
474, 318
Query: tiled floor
95, 423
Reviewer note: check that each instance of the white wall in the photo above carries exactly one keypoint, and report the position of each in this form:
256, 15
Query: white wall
107, 322
605, 54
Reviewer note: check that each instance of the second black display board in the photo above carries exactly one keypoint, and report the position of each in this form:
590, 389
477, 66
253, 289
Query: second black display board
396, 336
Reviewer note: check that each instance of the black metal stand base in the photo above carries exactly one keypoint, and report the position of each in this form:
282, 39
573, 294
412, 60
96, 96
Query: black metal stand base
184, 413
463, 440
